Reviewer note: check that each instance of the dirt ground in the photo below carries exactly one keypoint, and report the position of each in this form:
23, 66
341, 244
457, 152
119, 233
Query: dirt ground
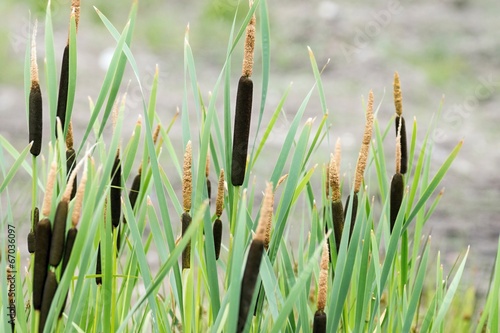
446, 53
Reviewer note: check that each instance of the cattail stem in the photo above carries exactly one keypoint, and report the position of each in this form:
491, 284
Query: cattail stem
35, 104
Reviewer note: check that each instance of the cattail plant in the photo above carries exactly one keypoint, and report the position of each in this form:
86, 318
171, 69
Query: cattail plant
254, 258
62, 99
319, 323
35, 103
116, 191
42, 249
187, 189
243, 112
361, 164
337, 208
49, 290
219, 206
400, 124
35, 216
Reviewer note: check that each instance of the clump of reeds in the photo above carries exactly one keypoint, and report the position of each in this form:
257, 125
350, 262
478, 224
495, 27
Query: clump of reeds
254, 258
361, 164
397, 182
187, 189
35, 103
219, 206
243, 111
319, 323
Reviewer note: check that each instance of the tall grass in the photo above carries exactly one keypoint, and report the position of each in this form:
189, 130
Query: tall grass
377, 278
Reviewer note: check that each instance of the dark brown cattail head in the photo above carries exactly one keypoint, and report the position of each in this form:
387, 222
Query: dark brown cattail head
43, 239
241, 133
62, 99
98, 269
134, 190
319, 324
354, 210
365, 146
70, 241
397, 191
49, 291
116, 191
58, 234
338, 222
35, 105
187, 178
249, 280
186, 254
219, 202
401, 133
217, 231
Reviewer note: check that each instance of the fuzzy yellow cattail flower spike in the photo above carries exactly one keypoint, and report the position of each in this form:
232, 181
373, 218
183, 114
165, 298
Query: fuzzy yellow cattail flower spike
400, 124
338, 153
361, 164
35, 102
319, 324
187, 188
254, 258
219, 206
49, 189
243, 112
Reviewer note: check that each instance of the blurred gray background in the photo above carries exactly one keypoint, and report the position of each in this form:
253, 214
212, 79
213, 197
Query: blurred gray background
446, 52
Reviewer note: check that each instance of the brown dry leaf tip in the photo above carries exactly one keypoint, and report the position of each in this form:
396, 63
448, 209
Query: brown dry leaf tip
398, 150
338, 153
281, 180
219, 202
187, 178
265, 211
323, 278
334, 179
365, 146
49, 189
249, 46
75, 8
207, 165
139, 171
398, 97
69, 136
69, 186
34, 65
77, 207
156, 133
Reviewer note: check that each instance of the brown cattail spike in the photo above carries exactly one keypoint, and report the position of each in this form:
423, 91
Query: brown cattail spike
116, 191
186, 254
43, 239
397, 191
219, 202
249, 46
398, 151
398, 97
365, 146
58, 234
49, 291
323, 278
62, 99
217, 231
187, 178
69, 136
35, 105
156, 133
49, 189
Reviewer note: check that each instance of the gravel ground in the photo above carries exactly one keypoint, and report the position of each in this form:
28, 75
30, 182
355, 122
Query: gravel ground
445, 52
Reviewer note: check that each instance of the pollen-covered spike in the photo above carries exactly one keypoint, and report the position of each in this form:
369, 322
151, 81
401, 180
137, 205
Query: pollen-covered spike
49, 189
398, 96
334, 179
219, 202
249, 46
265, 210
338, 153
187, 178
365, 146
75, 9
323, 278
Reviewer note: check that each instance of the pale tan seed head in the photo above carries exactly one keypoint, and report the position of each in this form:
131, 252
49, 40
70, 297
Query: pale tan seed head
323, 278
156, 133
334, 179
219, 202
281, 180
69, 136
249, 46
365, 146
398, 96
75, 8
207, 165
49, 189
80, 192
34, 65
265, 211
269, 222
338, 153
187, 178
